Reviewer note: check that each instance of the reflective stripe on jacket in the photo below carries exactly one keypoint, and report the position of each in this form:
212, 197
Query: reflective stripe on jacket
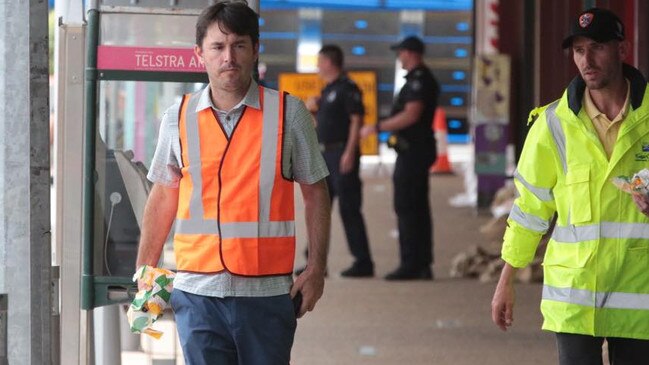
596, 267
235, 209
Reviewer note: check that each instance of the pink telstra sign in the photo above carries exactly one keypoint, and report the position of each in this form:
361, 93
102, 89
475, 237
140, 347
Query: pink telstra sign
148, 59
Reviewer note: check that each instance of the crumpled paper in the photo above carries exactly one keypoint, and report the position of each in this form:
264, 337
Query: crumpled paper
637, 184
150, 303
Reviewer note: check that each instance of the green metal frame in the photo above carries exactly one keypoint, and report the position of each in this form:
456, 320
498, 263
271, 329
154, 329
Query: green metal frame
113, 290
89, 176
97, 291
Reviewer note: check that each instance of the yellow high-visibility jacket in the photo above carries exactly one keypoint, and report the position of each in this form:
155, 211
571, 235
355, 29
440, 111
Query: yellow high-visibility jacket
596, 267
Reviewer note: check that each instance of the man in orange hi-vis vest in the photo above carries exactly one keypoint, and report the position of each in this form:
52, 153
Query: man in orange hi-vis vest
224, 170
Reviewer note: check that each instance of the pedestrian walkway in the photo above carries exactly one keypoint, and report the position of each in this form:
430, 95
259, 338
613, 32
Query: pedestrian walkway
446, 321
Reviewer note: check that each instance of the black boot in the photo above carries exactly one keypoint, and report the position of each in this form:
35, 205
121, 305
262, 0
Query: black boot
405, 273
358, 271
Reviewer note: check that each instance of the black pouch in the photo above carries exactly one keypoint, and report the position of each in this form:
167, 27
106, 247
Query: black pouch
399, 144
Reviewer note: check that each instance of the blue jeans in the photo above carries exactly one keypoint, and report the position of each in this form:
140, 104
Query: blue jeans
234, 330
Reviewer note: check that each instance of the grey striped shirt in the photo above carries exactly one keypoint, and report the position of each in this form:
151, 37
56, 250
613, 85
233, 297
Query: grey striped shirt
301, 160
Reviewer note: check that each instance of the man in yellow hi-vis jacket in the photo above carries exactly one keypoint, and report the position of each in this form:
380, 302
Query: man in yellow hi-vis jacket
596, 267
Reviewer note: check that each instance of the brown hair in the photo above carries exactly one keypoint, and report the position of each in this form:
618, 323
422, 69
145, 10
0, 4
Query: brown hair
232, 17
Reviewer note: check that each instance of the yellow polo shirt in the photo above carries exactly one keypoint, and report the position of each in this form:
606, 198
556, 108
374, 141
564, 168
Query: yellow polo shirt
606, 129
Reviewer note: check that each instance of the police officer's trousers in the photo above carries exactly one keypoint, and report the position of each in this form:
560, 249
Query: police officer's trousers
348, 189
412, 207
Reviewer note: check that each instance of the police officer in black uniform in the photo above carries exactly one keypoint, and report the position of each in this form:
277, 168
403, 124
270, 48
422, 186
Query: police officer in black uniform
412, 138
339, 115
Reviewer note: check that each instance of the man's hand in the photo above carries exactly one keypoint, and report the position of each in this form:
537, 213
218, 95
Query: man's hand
642, 202
347, 162
141, 285
312, 103
311, 284
367, 130
502, 304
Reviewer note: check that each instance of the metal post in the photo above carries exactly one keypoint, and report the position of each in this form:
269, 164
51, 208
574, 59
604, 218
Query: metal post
68, 179
107, 335
89, 176
87, 287
68, 182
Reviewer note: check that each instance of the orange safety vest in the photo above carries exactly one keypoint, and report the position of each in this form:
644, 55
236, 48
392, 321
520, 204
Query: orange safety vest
235, 209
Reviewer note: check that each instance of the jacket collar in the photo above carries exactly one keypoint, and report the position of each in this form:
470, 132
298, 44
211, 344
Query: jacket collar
577, 87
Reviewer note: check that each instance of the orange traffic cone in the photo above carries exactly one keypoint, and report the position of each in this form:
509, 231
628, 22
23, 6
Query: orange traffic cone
442, 164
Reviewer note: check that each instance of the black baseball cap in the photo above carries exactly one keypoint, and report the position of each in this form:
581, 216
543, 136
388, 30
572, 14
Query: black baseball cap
600, 25
411, 43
